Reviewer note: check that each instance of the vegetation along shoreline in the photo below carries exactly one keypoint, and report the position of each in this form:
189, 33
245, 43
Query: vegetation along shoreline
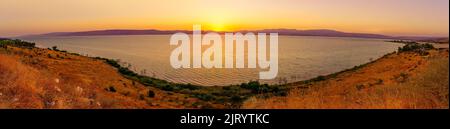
232, 96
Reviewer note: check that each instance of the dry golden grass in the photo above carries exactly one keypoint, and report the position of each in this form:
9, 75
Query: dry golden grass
41, 78
397, 81
17, 84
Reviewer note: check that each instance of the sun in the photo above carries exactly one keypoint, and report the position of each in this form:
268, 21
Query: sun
218, 24
218, 27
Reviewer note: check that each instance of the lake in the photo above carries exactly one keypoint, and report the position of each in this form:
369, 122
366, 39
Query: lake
300, 57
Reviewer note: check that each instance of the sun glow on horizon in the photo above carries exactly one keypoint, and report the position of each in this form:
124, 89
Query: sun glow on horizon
218, 27
217, 21
388, 17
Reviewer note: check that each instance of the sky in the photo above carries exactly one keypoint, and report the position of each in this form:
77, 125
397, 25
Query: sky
389, 17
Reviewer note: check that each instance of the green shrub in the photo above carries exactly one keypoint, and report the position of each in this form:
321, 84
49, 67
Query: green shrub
253, 85
55, 48
151, 94
16, 43
379, 82
237, 99
281, 93
141, 97
204, 96
416, 47
112, 89
168, 88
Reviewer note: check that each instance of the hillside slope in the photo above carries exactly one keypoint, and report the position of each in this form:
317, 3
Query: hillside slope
42, 78
398, 80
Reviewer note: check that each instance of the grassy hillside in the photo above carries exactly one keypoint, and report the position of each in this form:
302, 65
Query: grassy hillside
103, 83
416, 77
42, 78
30, 77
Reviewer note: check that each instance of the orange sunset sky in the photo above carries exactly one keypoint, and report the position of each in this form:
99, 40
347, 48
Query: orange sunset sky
390, 17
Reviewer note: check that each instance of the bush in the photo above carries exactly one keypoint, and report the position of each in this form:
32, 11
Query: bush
379, 82
190, 86
16, 43
55, 48
281, 93
127, 71
168, 88
151, 94
416, 47
253, 85
237, 99
112, 89
205, 97
319, 78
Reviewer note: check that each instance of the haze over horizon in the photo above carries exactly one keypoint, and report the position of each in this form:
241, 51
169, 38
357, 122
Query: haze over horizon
387, 17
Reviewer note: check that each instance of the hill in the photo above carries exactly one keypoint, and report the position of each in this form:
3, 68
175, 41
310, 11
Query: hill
289, 32
410, 79
32, 77
59, 79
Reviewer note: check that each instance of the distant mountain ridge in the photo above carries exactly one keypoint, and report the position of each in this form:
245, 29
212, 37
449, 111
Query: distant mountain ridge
112, 32
290, 32
323, 32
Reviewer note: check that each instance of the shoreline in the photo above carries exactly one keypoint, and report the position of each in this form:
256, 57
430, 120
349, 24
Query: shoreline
281, 80
366, 86
232, 96
116, 64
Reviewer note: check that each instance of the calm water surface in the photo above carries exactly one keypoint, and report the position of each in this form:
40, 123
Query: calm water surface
300, 57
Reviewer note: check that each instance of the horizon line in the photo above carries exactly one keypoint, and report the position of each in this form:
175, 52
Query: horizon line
232, 31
